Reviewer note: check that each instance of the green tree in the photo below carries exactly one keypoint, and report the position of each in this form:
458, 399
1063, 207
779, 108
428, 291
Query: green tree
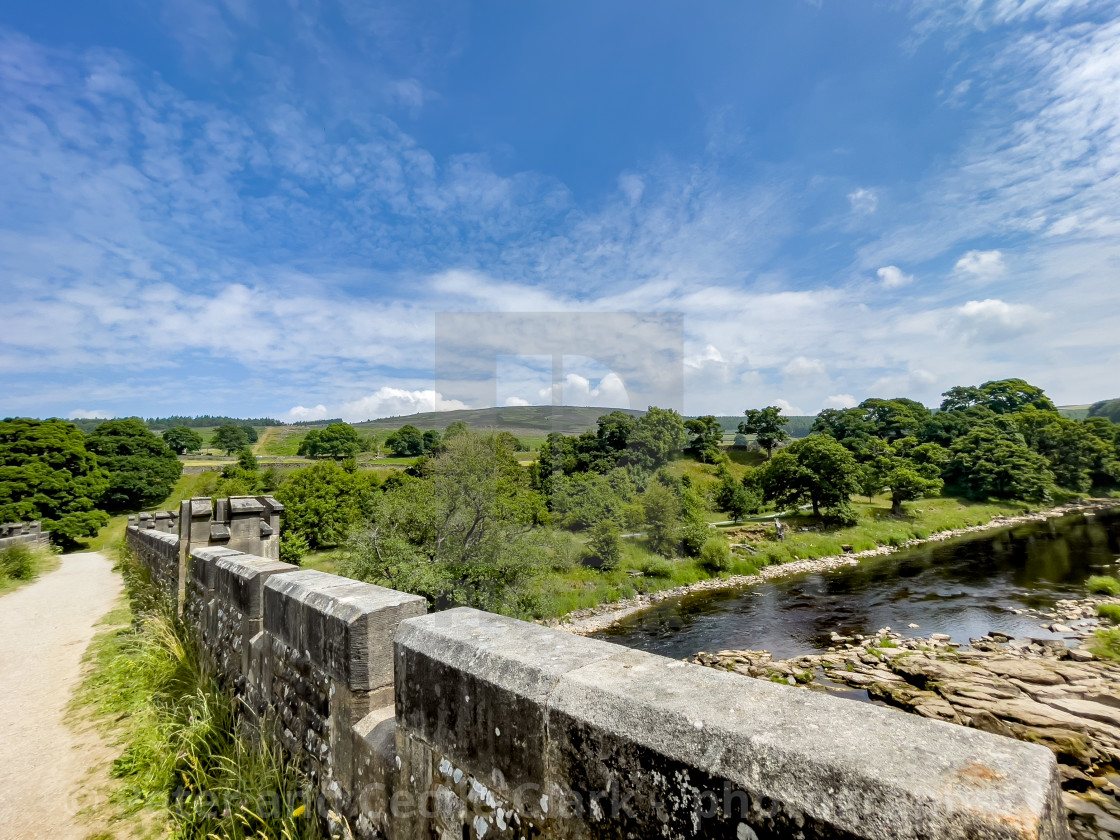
46, 473
657, 436
663, 511
338, 440
323, 502
246, 460
182, 440
817, 469
1072, 451
462, 533
894, 419
991, 461
604, 548
431, 441
705, 438
1108, 409
142, 469
1003, 396
767, 425
406, 442
735, 498
230, 438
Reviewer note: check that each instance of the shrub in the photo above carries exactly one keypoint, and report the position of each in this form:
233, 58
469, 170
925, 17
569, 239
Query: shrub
1103, 585
17, 562
715, 555
657, 567
604, 549
293, 547
1111, 612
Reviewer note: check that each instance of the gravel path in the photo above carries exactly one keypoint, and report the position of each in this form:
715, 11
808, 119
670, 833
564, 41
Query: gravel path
44, 630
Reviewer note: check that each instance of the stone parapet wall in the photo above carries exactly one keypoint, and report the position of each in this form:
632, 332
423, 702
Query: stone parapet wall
464, 724
23, 533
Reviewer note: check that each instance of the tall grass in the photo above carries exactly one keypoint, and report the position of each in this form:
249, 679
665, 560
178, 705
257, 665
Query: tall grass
186, 746
20, 564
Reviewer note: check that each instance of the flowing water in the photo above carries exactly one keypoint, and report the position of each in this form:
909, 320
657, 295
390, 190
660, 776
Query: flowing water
964, 587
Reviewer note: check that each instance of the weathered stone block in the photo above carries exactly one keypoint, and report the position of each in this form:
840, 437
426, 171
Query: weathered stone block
239, 580
346, 627
475, 684
691, 741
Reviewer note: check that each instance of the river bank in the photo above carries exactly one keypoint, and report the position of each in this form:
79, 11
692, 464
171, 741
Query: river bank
601, 617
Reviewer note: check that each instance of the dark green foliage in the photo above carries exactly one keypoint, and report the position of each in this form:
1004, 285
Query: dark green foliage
604, 548
1108, 409
230, 438
767, 425
246, 460
338, 440
142, 469
663, 510
817, 470
1004, 396
46, 473
992, 462
1075, 455
705, 438
406, 442
738, 499
207, 421
323, 502
182, 440
641, 444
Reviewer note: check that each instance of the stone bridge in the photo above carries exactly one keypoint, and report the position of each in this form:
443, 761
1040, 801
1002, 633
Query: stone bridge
463, 725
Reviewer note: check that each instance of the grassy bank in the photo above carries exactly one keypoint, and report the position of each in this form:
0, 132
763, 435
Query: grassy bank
21, 564
187, 767
642, 572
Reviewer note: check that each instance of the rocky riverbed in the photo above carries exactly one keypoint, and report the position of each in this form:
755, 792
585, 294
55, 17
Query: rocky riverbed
1052, 691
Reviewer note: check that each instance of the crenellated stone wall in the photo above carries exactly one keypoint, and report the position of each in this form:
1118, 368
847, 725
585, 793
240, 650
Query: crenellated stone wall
23, 533
464, 724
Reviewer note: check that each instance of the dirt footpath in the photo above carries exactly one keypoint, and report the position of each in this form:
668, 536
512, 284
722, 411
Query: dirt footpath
44, 630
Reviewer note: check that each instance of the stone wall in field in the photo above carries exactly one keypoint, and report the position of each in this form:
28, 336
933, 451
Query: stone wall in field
464, 724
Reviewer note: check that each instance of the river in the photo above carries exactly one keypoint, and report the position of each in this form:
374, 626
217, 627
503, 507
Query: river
964, 587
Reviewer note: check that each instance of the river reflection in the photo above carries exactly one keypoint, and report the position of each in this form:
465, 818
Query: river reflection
965, 588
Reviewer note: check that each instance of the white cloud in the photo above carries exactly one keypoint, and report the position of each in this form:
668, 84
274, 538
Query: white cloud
981, 265
91, 414
577, 390
863, 201
893, 277
384, 402
801, 367
995, 320
841, 401
516, 401
632, 186
786, 408
710, 354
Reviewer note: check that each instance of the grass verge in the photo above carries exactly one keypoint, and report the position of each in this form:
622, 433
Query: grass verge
190, 758
21, 564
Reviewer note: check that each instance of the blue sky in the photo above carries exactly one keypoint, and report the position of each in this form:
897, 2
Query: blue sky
231, 206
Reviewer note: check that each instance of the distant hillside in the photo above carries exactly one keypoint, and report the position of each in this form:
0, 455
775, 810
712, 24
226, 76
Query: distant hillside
1106, 408
529, 420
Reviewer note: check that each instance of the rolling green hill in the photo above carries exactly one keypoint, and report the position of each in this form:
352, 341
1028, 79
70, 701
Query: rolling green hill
529, 420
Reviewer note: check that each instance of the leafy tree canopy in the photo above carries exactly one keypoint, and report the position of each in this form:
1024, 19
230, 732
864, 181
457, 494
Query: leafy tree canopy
338, 440
182, 439
47, 473
991, 461
1003, 396
230, 438
324, 501
767, 425
817, 470
705, 438
142, 469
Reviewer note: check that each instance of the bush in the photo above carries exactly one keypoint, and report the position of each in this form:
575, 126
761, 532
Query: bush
1103, 585
656, 567
17, 563
715, 556
604, 549
1111, 612
293, 547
